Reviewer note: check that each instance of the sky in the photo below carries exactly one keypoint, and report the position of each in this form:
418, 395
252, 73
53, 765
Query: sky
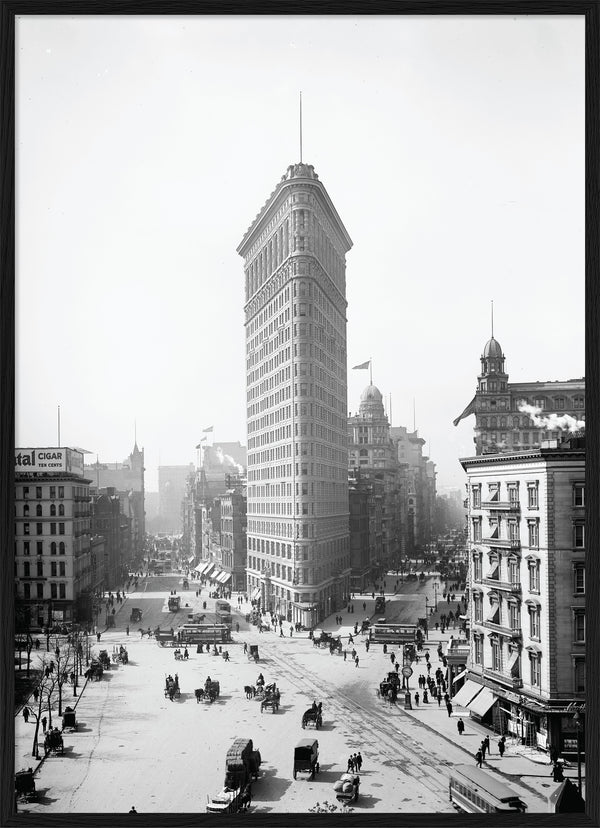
451, 146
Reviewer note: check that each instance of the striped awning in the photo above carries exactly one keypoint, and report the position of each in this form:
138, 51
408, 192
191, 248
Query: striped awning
204, 568
255, 593
191, 558
466, 693
214, 576
482, 702
224, 577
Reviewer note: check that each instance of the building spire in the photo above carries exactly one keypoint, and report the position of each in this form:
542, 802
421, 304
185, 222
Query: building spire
492, 318
300, 127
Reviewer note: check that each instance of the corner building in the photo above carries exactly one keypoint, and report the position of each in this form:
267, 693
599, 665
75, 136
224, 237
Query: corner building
298, 561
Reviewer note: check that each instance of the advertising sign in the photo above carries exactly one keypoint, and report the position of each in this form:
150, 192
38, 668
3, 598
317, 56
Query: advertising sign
49, 460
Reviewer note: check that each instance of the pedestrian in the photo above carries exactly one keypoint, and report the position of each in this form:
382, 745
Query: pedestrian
486, 742
44, 722
367, 645
132, 810
245, 648
425, 697
127, 629
384, 649
483, 748
501, 746
345, 654
26, 714
364, 606
417, 699
392, 658
97, 636
557, 772
350, 639
449, 708
356, 661
479, 758
350, 763
553, 754
186, 655
291, 630
280, 632
353, 654
460, 726
358, 761
35, 693
427, 656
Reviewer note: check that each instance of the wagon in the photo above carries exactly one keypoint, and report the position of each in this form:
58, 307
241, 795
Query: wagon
136, 614
25, 784
306, 757
346, 788
271, 701
53, 743
69, 722
253, 652
312, 718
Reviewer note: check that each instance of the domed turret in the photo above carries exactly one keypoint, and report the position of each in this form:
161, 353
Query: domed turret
371, 402
492, 349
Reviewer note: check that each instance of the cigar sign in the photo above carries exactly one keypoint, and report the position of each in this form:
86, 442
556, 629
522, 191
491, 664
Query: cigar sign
49, 460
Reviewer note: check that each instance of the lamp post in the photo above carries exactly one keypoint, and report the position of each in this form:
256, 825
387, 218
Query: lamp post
427, 618
578, 719
435, 594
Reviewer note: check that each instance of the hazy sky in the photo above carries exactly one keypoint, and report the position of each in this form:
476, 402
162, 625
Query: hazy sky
451, 146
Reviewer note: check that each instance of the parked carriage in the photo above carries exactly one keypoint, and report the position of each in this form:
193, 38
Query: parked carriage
25, 785
313, 717
306, 757
53, 742
253, 653
271, 700
104, 659
69, 721
136, 615
94, 671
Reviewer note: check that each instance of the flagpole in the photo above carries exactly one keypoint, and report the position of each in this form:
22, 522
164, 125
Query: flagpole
59, 426
370, 370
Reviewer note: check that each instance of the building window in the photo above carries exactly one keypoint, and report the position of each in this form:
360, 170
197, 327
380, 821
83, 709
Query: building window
53, 569
38, 510
61, 548
39, 547
61, 528
579, 675
26, 591
513, 571
534, 534
534, 622
53, 591
39, 588
534, 576
477, 567
26, 569
25, 528
478, 649
53, 528
535, 672
53, 548
476, 497
26, 547
579, 578
39, 528
52, 510
25, 492
578, 402
579, 626
52, 492
515, 616
61, 509
513, 530
579, 494
477, 608
513, 495
493, 488
496, 655
38, 492
61, 491
579, 536
532, 495
477, 530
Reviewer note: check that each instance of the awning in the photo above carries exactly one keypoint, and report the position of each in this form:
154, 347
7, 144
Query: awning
255, 593
214, 576
204, 567
514, 657
191, 558
225, 577
482, 702
461, 675
199, 569
466, 693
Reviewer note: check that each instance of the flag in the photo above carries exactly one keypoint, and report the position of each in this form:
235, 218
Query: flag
200, 443
210, 428
362, 365
470, 409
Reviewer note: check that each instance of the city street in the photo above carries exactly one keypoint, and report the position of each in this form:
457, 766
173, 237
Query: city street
135, 747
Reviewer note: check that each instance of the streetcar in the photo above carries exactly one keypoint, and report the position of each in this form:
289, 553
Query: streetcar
393, 633
473, 791
223, 612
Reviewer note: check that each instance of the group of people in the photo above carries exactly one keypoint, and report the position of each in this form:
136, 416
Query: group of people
354, 762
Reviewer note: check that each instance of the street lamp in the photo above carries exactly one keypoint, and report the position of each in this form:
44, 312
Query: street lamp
578, 719
426, 618
435, 594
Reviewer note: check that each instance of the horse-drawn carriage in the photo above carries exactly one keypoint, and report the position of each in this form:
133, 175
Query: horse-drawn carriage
94, 671
53, 742
210, 692
389, 687
104, 659
270, 698
69, 721
253, 653
25, 785
172, 690
136, 615
313, 716
230, 801
121, 656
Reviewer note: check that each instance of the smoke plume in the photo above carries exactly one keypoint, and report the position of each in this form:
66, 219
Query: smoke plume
551, 422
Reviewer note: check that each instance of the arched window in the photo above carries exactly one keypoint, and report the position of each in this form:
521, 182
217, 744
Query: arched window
484, 422
38, 510
515, 422
53, 548
52, 510
26, 509
61, 509
493, 422
61, 548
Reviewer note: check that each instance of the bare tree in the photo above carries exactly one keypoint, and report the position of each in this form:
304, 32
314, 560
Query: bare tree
64, 660
44, 689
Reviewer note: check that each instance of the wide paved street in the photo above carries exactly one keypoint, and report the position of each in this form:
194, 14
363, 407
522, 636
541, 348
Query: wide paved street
134, 747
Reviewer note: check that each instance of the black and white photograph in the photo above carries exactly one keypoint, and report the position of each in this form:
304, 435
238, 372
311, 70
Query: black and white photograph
300, 447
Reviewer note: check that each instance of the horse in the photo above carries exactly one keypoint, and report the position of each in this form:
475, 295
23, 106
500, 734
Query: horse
249, 691
246, 797
199, 693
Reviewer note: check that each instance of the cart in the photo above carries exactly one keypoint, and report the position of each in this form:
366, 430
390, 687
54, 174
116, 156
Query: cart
69, 721
253, 653
306, 757
136, 615
25, 785
346, 788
